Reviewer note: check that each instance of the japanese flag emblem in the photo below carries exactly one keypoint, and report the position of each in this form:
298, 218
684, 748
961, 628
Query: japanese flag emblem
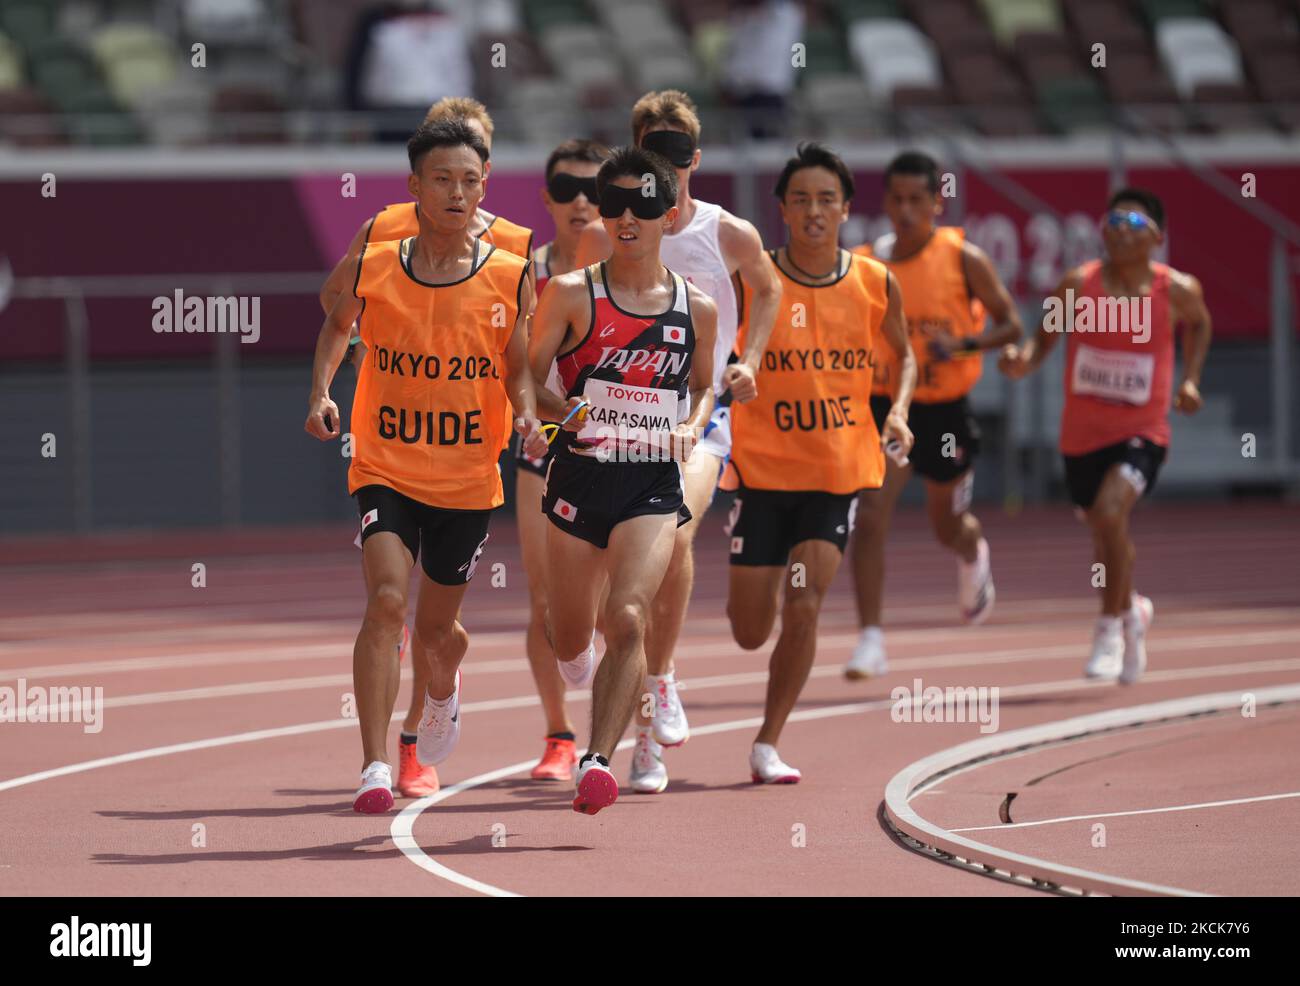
565, 510
674, 333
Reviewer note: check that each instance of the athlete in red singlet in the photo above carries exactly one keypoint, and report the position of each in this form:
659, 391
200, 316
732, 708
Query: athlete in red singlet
615, 488
1119, 316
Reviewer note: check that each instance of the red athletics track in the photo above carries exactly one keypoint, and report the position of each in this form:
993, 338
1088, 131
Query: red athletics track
224, 708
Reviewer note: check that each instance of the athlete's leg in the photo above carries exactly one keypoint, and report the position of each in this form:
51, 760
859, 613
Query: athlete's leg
796, 647
419, 684
960, 532
387, 564
532, 546
875, 510
668, 611
637, 557
753, 598
1108, 521
439, 642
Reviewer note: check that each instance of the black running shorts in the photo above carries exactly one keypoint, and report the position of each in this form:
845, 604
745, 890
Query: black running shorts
588, 499
447, 543
947, 436
765, 525
1140, 458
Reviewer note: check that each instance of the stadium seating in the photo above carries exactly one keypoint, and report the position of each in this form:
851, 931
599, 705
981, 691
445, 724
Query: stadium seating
1002, 67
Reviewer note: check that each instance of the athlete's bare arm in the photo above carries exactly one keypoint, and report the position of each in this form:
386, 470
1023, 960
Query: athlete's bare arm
1187, 301
987, 286
331, 346
894, 328
593, 244
339, 282
742, 249
564, 305
704, 317
340, 278
520, 386
1019, 361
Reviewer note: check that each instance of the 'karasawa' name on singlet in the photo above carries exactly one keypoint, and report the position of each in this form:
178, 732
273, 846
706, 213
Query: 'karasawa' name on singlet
826, 413
817, 359
434, 367
654, 360
414, 426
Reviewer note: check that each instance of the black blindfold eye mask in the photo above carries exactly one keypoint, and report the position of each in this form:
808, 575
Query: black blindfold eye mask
614, 200
565, 187
678, 148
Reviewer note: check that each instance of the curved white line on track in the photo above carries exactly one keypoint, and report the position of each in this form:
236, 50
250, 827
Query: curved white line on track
402, 829
1139, 811
923, 774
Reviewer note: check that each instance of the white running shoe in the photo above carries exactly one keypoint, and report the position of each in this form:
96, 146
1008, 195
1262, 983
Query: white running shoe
1136, 623
579, 672
1107, 649
765, 767
375, 796
975, 593
596, 785
868, 660
649, 775
669, 718
439, 728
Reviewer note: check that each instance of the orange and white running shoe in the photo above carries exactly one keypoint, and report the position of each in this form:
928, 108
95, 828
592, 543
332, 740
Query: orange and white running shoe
414, 780
557, 762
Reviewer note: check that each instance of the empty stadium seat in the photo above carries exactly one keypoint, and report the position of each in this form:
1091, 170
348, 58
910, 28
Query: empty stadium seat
178, 114
838, 107
27, 119
892, 53
658, 67
1196, 51
1009, 19
1228, 108
11, 65
135, 59
1109, 22
1259, 25
28, 22
1074, 104
229, 21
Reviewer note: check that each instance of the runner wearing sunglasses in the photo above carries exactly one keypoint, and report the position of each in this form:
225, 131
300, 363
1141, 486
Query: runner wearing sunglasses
1119, 317
614, 491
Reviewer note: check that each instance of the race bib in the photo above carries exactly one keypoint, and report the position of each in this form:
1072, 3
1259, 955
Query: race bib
622, 416
1113, 375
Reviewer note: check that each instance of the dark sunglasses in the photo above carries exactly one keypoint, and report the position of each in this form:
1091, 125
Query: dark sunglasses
615, 200
1133, 220
565, 187
678, 148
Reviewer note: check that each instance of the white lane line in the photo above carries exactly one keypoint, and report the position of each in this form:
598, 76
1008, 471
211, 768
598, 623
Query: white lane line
1141, 811
508, 665
402, 829
960, 659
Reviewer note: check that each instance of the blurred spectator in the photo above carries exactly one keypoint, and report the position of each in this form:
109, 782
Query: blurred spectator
758, 74
403, 57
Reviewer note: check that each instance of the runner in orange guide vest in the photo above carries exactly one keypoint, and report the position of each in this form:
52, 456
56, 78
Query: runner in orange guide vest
444, 315
949, 285
807, 445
